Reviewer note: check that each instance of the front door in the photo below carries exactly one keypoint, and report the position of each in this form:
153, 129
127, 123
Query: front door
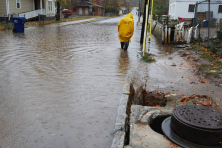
80, 10
86, 11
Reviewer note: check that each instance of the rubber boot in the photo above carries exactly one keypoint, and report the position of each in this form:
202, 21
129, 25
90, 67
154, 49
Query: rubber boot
126, 47
122, 44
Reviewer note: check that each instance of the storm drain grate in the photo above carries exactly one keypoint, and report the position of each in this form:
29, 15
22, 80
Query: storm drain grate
194, 126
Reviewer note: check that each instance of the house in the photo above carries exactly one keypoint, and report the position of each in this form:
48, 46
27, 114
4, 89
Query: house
182, 8
27, 8
123, 10
87, 7
186, 9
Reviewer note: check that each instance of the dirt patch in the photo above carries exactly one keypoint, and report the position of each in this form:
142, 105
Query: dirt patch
159, 98
207, 64
155, 98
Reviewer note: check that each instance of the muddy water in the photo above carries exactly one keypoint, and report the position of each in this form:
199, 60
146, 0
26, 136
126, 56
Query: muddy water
61, 85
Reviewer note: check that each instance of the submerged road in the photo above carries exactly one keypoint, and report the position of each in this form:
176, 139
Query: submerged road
60, 85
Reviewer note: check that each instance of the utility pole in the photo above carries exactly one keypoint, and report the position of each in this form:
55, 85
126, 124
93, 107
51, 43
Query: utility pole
139, 13
208, 23
144, 19
127, 5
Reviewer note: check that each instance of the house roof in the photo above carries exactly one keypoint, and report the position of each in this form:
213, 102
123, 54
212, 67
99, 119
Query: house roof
85, 3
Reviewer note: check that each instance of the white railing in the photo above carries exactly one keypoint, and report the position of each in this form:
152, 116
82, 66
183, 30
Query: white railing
31, 14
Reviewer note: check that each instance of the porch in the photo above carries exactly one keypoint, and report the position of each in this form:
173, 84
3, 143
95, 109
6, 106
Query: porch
32, 14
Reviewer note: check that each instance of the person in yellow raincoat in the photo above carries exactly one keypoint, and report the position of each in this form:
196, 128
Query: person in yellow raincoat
126, 29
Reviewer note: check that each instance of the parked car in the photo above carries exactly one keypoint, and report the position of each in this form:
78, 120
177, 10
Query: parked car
66, 13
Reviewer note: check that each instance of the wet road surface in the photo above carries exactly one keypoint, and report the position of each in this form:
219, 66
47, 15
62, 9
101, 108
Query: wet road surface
61, 85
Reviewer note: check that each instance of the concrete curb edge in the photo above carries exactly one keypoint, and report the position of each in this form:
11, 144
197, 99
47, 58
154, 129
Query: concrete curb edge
121, 118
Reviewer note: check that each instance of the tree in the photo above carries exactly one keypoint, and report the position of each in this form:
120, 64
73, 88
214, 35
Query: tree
113, 6
60, 3
160, 7
159, 10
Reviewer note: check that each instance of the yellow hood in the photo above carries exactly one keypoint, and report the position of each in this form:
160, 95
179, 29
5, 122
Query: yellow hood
130, 15
126, 28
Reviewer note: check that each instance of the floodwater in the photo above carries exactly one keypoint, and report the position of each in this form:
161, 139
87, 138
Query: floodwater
60, 86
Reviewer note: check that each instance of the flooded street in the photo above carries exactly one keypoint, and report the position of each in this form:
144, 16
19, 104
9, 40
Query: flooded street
60, 85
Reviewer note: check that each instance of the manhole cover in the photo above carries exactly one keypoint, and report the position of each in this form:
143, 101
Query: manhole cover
194, 126
199, 116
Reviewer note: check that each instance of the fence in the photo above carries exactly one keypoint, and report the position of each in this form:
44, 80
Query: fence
167, 34
162, 19
208, 18
202, 18
202, 13
172, 31
206, 24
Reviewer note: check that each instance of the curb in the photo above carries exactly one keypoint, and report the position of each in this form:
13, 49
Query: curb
121, 119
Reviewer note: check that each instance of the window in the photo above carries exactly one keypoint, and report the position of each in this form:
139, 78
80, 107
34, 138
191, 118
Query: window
191, 8
220, 8
50, 5
74, 9
18, 4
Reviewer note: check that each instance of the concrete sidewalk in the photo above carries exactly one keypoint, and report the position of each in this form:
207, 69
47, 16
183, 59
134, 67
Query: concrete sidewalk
76, 22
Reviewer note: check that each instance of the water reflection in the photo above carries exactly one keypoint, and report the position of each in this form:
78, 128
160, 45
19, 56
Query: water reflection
124, 61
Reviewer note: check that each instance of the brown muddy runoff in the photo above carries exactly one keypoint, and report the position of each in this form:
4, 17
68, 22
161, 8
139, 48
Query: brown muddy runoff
61, 85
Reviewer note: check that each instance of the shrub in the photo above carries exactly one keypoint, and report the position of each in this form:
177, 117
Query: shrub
213, 48
147, 57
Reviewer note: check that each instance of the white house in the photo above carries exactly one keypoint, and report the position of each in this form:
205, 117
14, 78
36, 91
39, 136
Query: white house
186, 9
182, 8
123, 10
28, 8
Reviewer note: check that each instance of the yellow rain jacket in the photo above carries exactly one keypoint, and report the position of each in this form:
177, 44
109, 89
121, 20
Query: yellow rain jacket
126, 28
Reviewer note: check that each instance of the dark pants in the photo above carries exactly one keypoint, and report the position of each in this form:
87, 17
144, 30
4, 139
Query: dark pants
124, 45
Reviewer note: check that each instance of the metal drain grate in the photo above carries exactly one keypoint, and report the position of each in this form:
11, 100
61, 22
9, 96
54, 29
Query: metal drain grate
199, 116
